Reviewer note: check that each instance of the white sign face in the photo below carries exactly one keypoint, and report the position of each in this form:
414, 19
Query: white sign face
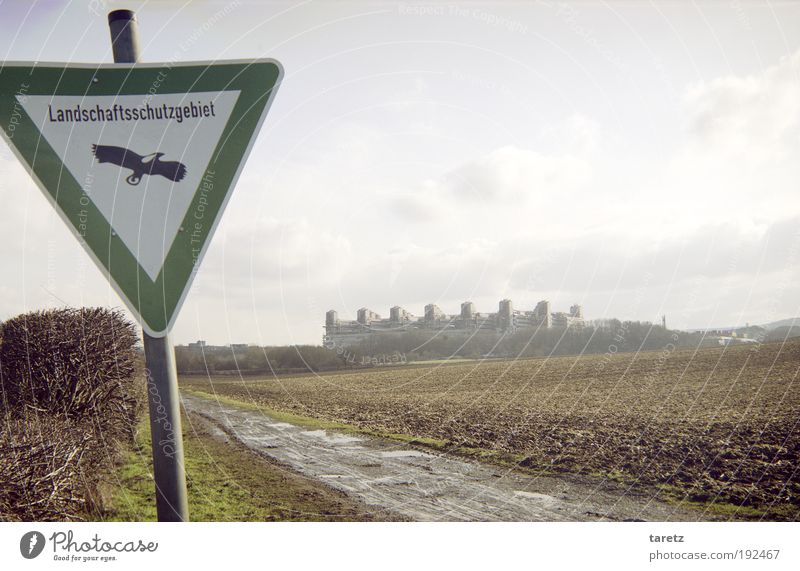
139, 159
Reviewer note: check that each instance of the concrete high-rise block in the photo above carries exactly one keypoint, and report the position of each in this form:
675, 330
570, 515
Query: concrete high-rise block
467, 310
331, 318
542, 314
433, 313
505, 315
398, 315
366, 316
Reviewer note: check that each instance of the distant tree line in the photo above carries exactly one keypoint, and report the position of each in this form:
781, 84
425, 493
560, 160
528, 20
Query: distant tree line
783, 332
613, 336
256, 360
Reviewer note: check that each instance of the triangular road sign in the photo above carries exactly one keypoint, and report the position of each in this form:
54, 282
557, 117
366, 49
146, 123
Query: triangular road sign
139, 159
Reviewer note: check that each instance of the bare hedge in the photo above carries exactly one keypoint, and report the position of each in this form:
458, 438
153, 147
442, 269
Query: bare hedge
71, 391
72, 363
43, 469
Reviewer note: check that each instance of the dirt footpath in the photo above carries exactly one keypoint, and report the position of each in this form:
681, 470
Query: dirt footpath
429, 486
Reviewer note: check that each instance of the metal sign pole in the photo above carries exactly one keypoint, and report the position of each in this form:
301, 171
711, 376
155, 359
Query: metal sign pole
162, 376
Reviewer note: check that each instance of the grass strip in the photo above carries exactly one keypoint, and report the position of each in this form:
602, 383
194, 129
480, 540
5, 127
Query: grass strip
228, 482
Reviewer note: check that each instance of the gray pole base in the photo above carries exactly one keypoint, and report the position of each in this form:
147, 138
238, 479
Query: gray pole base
165, 427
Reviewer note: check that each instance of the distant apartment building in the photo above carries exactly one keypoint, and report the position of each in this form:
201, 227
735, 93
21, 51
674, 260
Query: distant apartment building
433, 321
203, 347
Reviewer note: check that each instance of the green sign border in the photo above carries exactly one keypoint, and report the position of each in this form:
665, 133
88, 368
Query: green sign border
155, 303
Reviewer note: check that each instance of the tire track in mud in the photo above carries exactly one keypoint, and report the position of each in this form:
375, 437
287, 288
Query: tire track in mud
424, 485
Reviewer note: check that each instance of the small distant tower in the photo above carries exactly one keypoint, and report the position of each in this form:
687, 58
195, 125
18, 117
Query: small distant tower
664, 321
331, 321
398, 315
433, 313
366, 316
467, 310
395, 314
505, 315
542, 313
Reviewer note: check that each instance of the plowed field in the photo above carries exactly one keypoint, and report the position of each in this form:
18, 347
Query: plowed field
715, 426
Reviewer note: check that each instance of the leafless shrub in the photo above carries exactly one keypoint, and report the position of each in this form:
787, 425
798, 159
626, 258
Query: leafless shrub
42, 469
72, 363
70, 392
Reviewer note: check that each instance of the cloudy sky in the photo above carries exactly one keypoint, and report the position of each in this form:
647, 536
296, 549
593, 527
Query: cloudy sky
638, 158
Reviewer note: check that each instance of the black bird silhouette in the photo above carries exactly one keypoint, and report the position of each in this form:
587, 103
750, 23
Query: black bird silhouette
140, 165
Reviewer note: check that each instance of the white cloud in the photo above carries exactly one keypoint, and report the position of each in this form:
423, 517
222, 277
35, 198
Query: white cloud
752, 118
270, 254
737, 164
577, 134
512, 174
